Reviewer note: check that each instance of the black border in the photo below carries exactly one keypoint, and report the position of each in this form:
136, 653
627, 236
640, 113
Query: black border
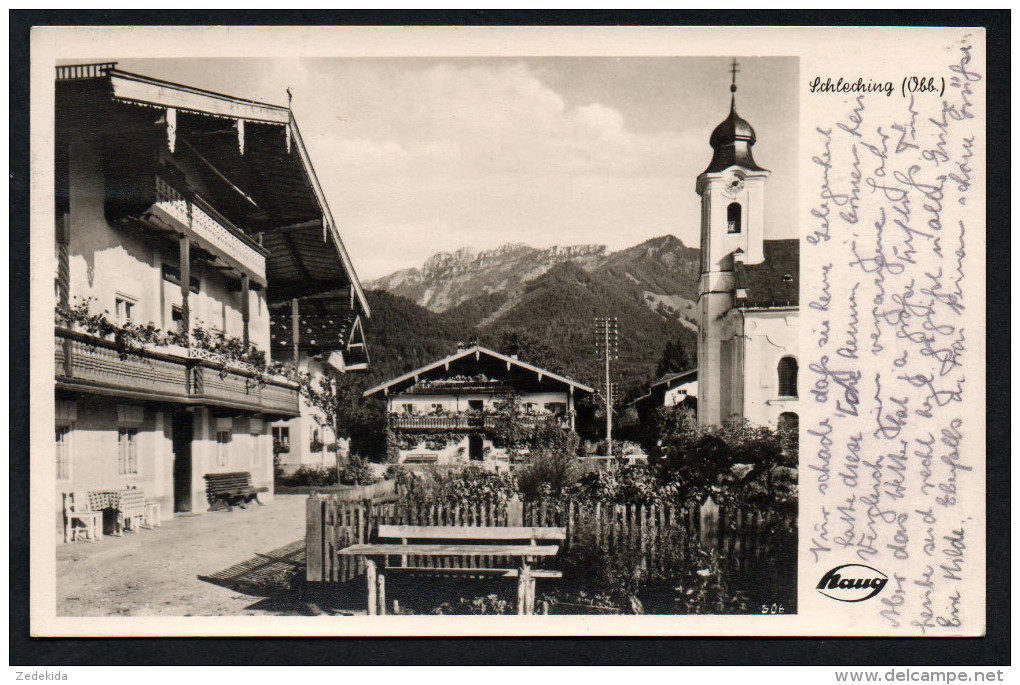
990, 650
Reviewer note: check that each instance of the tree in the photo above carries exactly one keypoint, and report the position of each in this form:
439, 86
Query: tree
509, 432
528, 348
337, 399
674, 358
737, 460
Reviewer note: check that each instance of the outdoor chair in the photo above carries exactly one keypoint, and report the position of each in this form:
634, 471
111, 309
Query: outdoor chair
89, 523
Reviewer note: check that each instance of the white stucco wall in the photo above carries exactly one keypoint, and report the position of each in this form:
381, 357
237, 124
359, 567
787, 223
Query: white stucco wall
770, 335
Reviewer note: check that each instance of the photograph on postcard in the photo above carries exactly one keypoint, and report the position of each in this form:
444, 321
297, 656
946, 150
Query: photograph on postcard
383, 341
216, 348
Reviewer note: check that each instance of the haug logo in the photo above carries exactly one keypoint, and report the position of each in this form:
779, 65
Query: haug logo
852, 583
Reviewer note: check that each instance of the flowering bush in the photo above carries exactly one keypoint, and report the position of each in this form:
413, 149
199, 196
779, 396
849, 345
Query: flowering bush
354, 471
470, 484
625, 485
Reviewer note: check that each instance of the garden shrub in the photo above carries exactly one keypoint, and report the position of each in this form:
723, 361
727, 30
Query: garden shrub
478, 606
430, 485
683, 579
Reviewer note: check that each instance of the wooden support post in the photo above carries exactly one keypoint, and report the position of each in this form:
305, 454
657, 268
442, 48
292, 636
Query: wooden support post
295, 329
245, 310
381, 581
523, 587
370, 579
185, 256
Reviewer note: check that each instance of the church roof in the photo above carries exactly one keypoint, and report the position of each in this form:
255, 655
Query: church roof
731, 141
773, 283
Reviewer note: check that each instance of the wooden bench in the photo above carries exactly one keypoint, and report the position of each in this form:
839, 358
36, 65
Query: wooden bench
522, 543
130, 510
232, 488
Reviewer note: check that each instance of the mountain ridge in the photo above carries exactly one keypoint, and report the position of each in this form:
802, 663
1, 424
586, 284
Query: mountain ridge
663, 266
549, 297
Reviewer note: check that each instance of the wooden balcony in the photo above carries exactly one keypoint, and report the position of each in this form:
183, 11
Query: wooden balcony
465, 422
88, 364
210, 229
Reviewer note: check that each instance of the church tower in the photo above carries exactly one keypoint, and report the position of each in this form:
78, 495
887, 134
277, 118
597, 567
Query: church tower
732, 191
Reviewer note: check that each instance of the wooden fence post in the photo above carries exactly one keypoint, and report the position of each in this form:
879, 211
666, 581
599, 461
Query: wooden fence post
709, 515
514, 512
313, 538
370, 579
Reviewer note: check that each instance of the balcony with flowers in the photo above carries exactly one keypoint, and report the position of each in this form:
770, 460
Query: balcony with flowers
203, 367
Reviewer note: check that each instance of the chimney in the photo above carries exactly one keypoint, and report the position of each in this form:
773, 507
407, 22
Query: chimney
514, 356
461, 346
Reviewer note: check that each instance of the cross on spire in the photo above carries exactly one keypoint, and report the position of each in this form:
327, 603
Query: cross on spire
734, 71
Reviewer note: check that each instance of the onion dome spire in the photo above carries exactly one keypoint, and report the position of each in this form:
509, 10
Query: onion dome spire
732, 139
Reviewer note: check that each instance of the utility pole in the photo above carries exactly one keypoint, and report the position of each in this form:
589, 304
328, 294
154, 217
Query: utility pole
606, 344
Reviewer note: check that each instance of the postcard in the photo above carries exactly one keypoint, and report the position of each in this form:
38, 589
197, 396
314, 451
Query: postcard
367, 331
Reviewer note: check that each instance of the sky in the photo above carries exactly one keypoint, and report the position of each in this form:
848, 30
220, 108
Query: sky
418, 155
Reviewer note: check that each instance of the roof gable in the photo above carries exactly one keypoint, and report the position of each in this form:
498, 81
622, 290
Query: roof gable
476, 357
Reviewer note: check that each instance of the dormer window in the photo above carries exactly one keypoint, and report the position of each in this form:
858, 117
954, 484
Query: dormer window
733, 218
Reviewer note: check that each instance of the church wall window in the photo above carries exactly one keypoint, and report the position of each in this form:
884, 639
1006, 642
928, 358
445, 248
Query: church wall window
789, 420
787, 377
733, 218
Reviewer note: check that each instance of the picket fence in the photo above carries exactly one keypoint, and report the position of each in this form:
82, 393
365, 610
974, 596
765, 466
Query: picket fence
747, 540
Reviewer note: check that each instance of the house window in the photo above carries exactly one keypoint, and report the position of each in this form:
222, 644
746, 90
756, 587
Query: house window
476, 405
437, 408
408, 408
172, 273
733, 218
316, 442
176, 317
222, 448
63, 452
281, 439
788, 377
124, 309
127, 451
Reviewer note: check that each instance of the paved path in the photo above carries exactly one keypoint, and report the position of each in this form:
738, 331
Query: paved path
204, 565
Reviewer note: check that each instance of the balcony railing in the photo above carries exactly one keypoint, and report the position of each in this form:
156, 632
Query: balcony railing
207, 224
74, 72
87, 363
455, 422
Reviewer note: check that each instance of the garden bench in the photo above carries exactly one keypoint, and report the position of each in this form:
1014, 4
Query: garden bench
130, 510
520, 542
230, 489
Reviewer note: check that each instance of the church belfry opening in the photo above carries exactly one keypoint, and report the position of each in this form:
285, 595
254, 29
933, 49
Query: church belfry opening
733, 218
